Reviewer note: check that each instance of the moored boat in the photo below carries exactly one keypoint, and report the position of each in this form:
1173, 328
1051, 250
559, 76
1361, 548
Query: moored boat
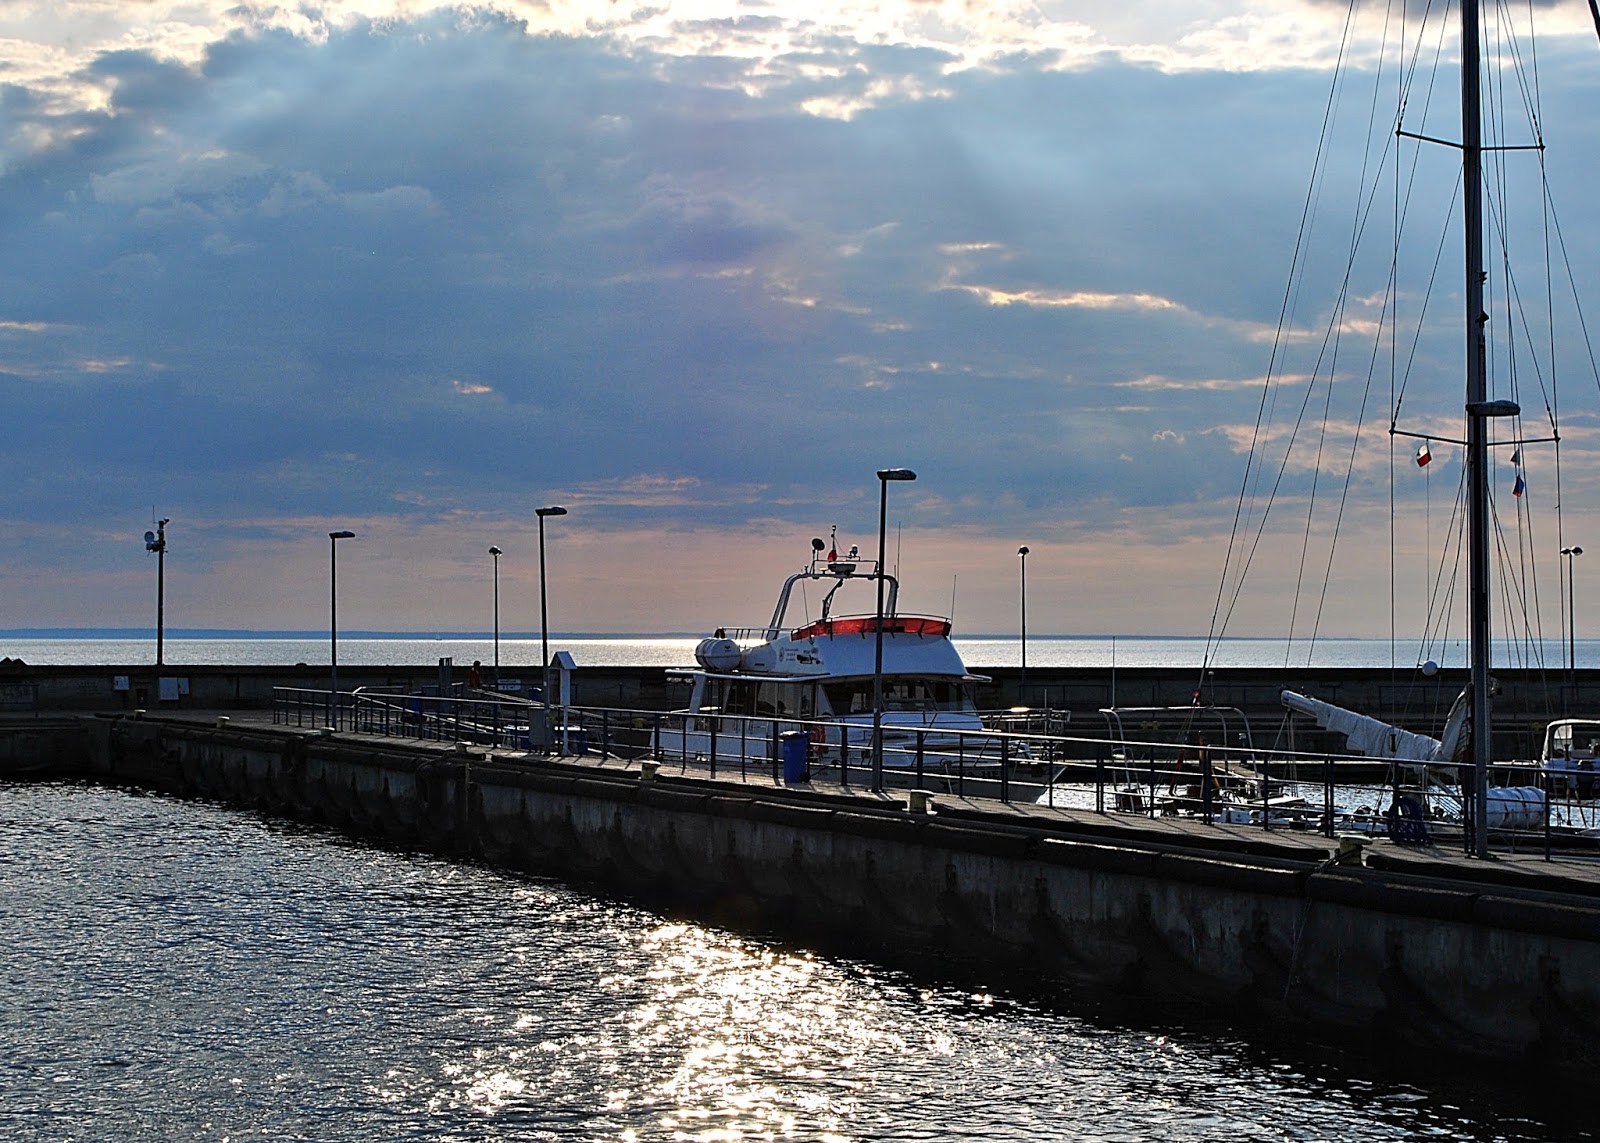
820, 677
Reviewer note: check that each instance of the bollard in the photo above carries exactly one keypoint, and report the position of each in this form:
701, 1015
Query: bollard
222, 722
647, 771
1351, 849
921, 801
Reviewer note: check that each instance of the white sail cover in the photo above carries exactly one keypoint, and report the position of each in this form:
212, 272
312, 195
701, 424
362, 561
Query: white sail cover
1375, 738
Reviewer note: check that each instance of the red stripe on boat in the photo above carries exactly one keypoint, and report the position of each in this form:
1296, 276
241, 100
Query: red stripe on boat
867, 625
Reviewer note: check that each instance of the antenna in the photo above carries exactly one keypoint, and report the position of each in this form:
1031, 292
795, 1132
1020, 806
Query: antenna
953, 580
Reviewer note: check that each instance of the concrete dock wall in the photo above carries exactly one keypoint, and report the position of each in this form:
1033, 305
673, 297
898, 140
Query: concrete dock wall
1527, 699
1510, 974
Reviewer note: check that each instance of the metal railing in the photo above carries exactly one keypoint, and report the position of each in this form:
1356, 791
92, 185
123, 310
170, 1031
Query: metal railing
1307, 793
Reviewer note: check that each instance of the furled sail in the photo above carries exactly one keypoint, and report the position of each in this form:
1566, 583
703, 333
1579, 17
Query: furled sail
1375, 738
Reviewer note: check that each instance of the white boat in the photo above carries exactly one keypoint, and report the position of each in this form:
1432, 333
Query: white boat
1570, 759
820, 677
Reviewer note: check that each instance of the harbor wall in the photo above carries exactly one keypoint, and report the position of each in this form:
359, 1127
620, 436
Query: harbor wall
1526, 700
1509, 974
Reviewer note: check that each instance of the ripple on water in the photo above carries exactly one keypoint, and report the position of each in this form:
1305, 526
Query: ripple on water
181, 970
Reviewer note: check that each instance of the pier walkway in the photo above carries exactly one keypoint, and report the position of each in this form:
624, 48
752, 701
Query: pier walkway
1576, 873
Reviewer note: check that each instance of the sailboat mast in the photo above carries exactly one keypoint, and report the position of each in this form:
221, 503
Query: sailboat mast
1478, 413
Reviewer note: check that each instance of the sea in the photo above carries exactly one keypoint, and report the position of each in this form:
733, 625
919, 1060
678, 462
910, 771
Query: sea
181, 970
178, 970
1106, 652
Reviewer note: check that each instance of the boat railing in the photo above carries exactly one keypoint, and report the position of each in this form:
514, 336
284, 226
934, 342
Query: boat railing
1552, 810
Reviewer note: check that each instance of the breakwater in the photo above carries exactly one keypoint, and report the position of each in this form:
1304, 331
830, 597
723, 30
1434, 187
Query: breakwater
1525, 699
1495, 960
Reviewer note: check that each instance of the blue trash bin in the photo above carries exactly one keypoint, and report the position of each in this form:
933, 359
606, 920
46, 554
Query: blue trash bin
794, 744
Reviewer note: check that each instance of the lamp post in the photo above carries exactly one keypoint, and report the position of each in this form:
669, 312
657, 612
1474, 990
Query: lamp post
157, 542
884, 476
496, 553
1022, 685
333, 623
1572, 615
544, 621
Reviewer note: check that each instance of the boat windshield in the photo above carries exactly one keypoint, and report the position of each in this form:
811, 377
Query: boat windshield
900, 692
1572, 739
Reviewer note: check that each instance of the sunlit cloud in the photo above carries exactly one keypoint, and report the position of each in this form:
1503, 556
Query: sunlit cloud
695, 270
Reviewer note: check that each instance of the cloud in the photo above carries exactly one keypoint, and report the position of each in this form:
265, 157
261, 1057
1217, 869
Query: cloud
425, 266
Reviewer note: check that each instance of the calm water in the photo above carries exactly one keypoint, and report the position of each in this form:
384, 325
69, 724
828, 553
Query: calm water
179, 970
666, 651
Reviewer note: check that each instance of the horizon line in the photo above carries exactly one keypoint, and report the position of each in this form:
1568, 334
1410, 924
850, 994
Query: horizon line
142, 633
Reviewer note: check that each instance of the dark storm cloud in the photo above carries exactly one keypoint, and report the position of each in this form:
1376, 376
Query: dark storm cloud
428, 267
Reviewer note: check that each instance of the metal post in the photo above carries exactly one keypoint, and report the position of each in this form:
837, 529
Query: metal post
1572, 617
544, 622
884, 476
333, 624
496, 553
1022, 685
157, 542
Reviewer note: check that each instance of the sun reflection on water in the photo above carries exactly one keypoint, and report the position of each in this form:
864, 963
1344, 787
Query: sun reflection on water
243, 979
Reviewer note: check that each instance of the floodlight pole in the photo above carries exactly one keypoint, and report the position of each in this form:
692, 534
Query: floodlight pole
1022, 685
158, 545
544, 621
496, 553
333, 624
1572, 617
884, 476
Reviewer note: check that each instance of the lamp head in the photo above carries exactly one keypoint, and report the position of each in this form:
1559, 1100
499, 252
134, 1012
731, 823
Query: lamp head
1022, 551
553, 510
494, 551
896, 474
341, 535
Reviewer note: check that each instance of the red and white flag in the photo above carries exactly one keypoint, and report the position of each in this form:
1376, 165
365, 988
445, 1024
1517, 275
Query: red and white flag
1423, 455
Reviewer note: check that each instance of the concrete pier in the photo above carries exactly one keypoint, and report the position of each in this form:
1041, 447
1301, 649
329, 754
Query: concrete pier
1498, 960
1526, 701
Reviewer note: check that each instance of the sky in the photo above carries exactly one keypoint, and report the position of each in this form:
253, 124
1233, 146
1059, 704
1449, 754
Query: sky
696, 271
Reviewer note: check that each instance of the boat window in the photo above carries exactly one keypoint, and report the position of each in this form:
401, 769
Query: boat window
775, 700
900, 692
712, 695
743, 699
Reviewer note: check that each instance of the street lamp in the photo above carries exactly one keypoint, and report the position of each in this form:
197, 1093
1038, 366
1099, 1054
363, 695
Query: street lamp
1572, 614
333, 623
1022, 686
884, 476
157, 542
496, 553
544, 620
